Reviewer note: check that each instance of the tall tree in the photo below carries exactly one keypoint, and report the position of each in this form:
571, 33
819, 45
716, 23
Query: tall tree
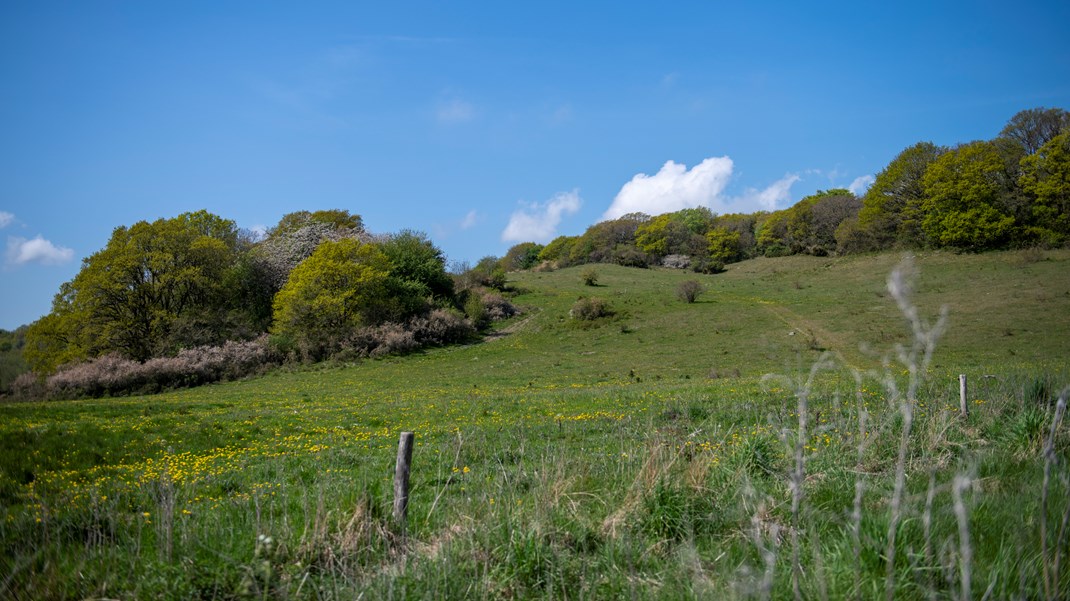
891, 208
130, 296
965, 192
1045, 180
1033, 128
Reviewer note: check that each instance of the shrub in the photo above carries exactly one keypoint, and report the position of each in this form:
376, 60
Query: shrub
497, 307
630, 256
590, 277
441, 326
116, 375
689, 291
476, 311
27, 386
707, 266
589, 309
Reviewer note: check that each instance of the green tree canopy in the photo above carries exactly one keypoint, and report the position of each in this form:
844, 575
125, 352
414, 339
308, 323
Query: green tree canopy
680, 233
558, 250
1045, 180
130, 296
521, 256
891, 208
964, 196
417, 274
342, 286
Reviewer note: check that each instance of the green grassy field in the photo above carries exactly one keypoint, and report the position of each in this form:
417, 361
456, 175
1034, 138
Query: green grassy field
747, 445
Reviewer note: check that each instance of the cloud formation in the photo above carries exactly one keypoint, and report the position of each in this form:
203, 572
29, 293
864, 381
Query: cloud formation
21, 251
768, 198
861, 184
469, 220
6, 219
537, 222
673, 188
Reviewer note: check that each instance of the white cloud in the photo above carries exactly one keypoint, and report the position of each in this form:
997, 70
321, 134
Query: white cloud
672, 188
6, 219
21, 251
455, 111
675, 187
770, 198
538, 222
469, 220
861, 184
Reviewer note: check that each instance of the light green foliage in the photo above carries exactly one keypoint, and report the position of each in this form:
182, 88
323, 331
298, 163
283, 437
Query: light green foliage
723, 245
679, 233
1045, 180
891, 208
745, 226
964, 204
129, 297
341, 287
558, 250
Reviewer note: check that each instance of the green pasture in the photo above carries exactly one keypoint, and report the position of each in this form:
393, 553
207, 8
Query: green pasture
648, 454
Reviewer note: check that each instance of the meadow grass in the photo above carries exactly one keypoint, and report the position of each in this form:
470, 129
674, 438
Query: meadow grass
746, 445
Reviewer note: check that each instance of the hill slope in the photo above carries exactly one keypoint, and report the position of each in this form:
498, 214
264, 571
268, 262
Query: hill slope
555, 459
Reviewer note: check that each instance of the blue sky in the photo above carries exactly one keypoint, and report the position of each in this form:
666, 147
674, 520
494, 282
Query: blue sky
480, 123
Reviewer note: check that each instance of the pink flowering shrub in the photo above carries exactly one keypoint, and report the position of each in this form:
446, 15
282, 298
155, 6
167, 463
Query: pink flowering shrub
115, 375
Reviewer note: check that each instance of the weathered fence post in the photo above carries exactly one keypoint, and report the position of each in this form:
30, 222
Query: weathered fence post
964, 409
401, 478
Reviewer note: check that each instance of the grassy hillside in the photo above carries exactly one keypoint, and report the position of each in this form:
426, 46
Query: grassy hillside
656, 453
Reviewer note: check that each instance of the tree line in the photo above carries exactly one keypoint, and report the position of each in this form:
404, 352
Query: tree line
316, 285
1011, 191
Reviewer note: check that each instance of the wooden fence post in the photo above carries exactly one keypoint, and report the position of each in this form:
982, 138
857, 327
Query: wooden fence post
401, 478
964, 408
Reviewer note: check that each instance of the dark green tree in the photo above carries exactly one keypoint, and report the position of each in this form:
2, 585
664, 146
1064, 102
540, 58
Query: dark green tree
521, 256
891, 208
417, 274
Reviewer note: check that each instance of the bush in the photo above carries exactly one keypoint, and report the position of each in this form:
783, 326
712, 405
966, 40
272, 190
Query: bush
116, 375
590, 277
630, 256
440, 326
689, 291
707, 266
476, 311
27, 386
589, 309
497, 307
